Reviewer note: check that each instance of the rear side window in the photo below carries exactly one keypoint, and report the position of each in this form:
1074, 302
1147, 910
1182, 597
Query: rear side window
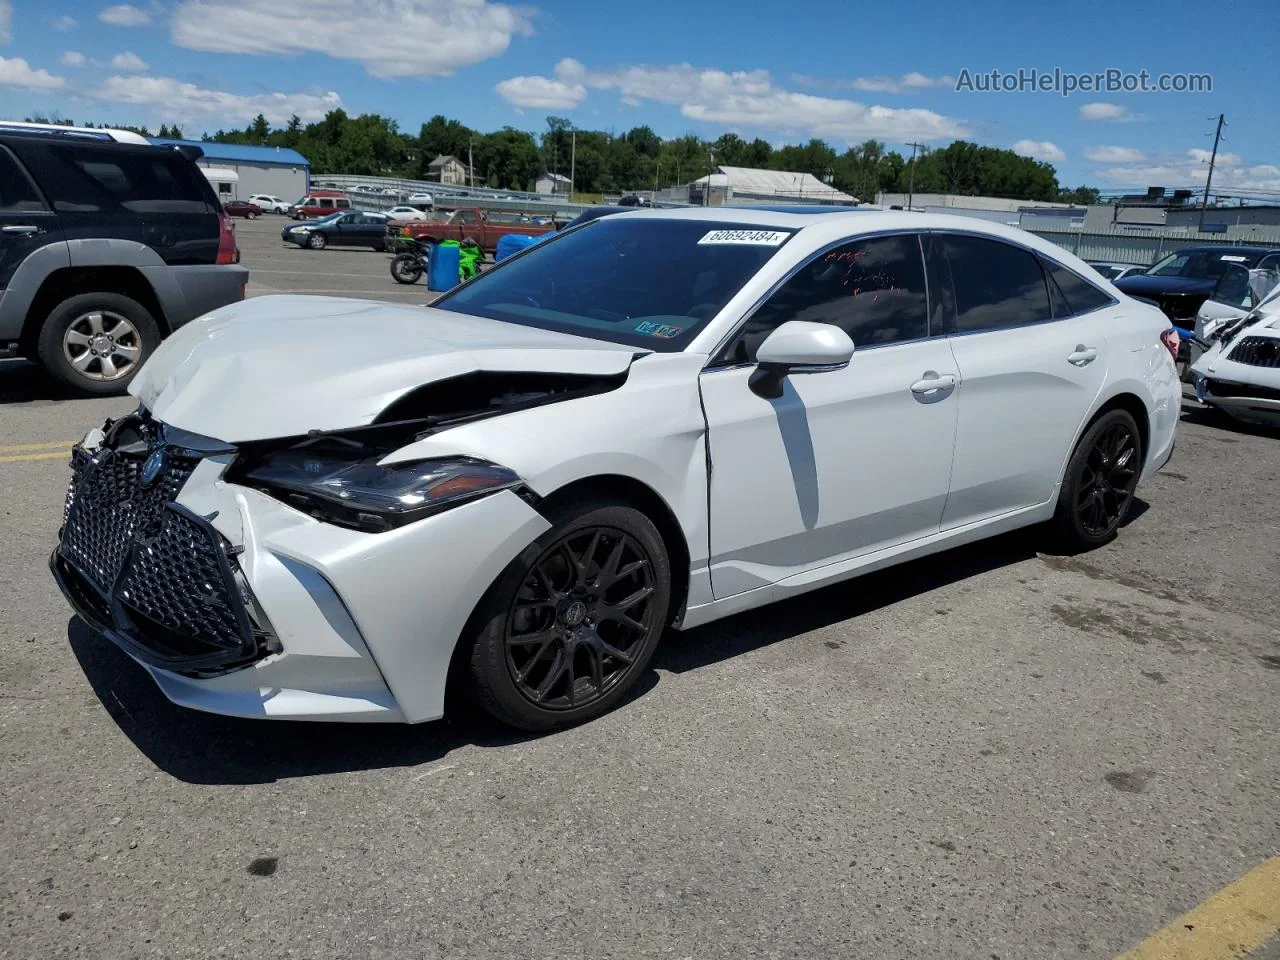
17, 195
158, 182
996, 284
873, 289
326, 203
344, 204
1082, 296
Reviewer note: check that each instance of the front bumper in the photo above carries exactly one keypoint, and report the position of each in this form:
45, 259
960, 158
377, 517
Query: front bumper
1252, 403
362, 626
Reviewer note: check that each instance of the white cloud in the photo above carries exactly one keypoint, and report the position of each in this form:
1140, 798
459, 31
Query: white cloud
1040, 150
1189, 170
64, 24
908, 81
1109, 112
1223, 160
73, 59
16, 72
1114, 155
124, 15
749, 99
187, 101
128, 61
6, 21
564, 92
390, 38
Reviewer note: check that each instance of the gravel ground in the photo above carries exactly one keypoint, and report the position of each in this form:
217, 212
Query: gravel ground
993, 753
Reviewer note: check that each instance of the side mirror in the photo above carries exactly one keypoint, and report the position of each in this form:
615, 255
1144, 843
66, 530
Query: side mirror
798, 346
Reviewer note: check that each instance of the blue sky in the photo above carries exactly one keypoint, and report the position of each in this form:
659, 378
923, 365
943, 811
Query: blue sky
783, 72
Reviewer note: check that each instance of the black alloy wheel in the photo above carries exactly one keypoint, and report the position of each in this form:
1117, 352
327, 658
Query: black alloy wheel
1100, 481
580, 618
569, 626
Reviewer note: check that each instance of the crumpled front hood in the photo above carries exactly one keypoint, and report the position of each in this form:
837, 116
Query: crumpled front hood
282, 366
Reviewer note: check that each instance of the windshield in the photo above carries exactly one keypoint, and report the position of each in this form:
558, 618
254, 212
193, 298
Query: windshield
1196, 264
645, 282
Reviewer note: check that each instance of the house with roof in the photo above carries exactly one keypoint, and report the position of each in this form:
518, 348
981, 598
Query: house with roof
238, 171
553, 183
447, 168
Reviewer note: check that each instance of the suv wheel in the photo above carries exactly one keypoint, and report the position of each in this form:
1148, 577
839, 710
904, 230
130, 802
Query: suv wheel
96, 342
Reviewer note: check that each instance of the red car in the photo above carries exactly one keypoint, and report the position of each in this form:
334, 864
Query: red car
241, 208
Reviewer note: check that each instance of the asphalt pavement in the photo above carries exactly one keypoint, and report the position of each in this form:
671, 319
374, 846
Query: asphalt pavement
992, 753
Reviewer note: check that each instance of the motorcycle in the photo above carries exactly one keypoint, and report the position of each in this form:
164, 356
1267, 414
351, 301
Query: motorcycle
409, 265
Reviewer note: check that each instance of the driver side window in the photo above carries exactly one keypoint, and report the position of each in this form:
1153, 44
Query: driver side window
872, 289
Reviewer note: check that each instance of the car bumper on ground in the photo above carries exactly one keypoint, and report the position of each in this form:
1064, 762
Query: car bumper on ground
357, 626
1251, 403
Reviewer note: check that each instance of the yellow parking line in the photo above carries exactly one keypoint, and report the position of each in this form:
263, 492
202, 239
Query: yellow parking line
24, 447
1232, 923
56, 455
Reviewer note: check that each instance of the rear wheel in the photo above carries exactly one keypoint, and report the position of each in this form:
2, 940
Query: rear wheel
571, 624
1101, 477
96, 342
317, 241
406, 268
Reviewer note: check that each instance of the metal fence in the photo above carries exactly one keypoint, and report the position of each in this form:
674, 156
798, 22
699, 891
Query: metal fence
448, 195
1143, 247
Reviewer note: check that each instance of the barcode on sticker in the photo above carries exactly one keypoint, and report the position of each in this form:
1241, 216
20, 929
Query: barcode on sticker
759, 238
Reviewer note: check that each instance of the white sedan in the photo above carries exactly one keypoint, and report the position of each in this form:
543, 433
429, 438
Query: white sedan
269, 203
331, 509
407, 213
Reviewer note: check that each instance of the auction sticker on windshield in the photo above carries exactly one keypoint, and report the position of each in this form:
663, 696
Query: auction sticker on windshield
758, 238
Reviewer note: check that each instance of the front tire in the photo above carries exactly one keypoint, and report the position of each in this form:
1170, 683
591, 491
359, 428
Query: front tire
317, 241
571, 624
95, 343
1101, 477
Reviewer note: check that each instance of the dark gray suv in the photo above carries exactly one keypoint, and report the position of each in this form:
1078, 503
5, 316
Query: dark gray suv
105, 248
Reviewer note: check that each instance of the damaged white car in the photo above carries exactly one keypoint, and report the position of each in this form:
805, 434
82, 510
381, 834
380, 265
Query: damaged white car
332, 509
1238, 341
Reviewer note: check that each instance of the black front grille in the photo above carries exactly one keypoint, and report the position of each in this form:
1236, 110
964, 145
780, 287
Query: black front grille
179, 590
158, 579
1257, 352
112, 511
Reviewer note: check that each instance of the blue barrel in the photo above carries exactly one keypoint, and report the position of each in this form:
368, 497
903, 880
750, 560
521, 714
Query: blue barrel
442, 270
513, 243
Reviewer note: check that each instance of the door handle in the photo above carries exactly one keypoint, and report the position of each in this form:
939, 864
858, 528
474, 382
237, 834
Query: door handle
932, 384
1082, 355
20, 228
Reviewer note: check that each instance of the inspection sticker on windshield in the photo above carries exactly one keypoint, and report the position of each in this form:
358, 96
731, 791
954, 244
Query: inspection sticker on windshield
1231, 259
662, 330
756, 238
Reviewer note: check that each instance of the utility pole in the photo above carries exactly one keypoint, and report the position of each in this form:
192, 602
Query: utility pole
1213, 157
573, 159
471, 164
911, 166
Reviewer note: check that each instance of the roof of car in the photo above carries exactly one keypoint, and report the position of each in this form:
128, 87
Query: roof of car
1227, 249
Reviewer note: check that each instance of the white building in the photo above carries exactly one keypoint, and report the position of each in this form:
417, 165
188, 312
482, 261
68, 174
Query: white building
749, 183
553, 183
238, 171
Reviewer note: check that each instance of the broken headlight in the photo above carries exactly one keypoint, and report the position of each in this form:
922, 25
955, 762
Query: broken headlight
330, 485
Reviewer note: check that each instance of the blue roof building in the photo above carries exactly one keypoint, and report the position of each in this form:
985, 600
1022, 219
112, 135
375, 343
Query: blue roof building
238, 171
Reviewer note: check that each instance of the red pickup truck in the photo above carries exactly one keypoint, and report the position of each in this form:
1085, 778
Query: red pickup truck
470, 223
